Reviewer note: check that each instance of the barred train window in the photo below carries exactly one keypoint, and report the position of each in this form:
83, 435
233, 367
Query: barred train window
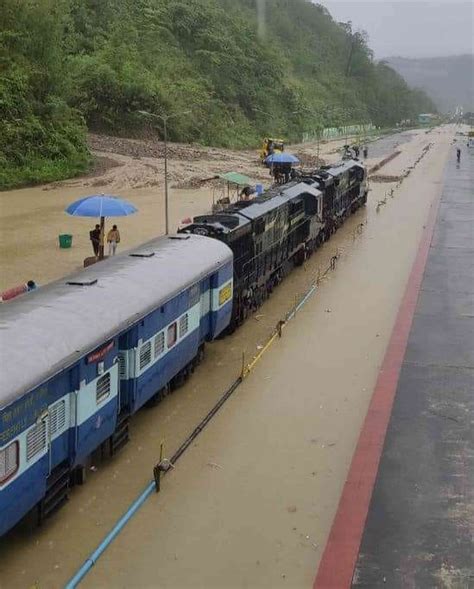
8, 462
172, 335
183, 325
103, 388
36, 440
145, 355
57, 417
194, 294
159, 344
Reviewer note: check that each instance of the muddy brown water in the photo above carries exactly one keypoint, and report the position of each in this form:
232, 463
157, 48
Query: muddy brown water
251, 503
31, 219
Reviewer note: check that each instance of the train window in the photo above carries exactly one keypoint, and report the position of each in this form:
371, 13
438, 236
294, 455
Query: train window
183, 325
172, 335
194, 294
36, 440
102, 388
57, 417
9, 461
296, 207
259, 226
159, 344
145, 355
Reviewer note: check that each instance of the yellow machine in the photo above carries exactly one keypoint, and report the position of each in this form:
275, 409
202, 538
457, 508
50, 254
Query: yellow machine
270, 146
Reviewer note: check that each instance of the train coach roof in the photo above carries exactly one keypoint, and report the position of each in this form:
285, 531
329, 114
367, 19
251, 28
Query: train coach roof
301, 188
270, 201
342, 167
48, 329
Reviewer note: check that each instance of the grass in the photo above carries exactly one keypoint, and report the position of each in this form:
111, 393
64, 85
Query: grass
40, 171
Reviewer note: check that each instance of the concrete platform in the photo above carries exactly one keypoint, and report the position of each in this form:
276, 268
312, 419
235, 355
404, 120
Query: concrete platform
420, 526
406, 514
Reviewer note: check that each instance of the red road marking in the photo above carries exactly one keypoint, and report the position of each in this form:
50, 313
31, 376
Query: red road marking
342, 548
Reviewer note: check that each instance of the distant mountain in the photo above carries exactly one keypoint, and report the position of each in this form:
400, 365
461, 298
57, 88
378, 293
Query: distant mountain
449, 81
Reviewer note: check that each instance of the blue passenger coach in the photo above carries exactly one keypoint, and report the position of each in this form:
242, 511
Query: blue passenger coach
81, 355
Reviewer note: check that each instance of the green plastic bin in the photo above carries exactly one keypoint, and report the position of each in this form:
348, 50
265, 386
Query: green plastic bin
65, 241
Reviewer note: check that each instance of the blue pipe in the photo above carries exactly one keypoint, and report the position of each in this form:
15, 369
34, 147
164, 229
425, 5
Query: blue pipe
302, 302
122, 522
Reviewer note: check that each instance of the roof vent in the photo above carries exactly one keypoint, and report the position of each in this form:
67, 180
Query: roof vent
82, 282
142, 255
179, 237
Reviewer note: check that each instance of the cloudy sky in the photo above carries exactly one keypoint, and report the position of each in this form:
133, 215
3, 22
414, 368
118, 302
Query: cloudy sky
407, 28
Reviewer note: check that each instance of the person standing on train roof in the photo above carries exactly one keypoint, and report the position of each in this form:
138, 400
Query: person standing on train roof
366, 151
113, 238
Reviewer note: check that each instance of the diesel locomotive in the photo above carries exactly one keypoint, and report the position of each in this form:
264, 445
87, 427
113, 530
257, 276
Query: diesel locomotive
272, 233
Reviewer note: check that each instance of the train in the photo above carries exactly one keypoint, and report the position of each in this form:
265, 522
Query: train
278, 230
82, 355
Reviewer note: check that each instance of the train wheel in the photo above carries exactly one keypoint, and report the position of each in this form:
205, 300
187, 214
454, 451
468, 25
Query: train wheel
200, 354
179, 380
157, 398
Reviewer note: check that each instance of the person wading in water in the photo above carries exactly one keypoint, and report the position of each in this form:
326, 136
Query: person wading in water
94, 236
113, 238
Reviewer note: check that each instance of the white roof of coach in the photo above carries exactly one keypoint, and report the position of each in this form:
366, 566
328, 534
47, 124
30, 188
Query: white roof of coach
48, 329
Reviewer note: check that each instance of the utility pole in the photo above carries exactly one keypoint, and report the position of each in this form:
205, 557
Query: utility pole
165, 131
164, 119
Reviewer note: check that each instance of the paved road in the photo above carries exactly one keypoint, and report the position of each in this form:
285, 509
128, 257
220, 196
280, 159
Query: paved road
420, 527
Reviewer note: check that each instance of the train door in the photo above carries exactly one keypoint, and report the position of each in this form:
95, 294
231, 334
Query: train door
96, 400
126, 361
206, 300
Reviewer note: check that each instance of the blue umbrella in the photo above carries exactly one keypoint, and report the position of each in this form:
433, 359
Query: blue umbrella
282, 158
101, 205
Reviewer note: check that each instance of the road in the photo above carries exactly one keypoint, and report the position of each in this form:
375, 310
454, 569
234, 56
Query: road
251, 503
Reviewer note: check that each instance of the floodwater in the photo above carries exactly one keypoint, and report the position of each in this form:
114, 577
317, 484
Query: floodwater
31, 219
250, 504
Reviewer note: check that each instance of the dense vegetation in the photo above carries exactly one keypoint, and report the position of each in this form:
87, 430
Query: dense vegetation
66, 64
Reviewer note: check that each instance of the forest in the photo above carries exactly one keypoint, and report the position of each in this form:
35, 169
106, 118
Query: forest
235, 71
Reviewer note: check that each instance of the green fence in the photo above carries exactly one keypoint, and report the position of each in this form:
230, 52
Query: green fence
336, 132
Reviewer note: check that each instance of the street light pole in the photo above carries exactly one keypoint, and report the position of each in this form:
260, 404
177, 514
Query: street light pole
164, 119
165, 132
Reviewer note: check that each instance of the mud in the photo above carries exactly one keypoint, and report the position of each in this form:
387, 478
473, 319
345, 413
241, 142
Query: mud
251, 503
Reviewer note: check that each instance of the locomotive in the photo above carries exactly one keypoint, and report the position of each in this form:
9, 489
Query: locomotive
272, 233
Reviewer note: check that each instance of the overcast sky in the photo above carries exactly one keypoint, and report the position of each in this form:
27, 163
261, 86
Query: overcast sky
406, 28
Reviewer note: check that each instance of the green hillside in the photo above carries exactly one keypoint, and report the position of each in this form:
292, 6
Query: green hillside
68, 64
